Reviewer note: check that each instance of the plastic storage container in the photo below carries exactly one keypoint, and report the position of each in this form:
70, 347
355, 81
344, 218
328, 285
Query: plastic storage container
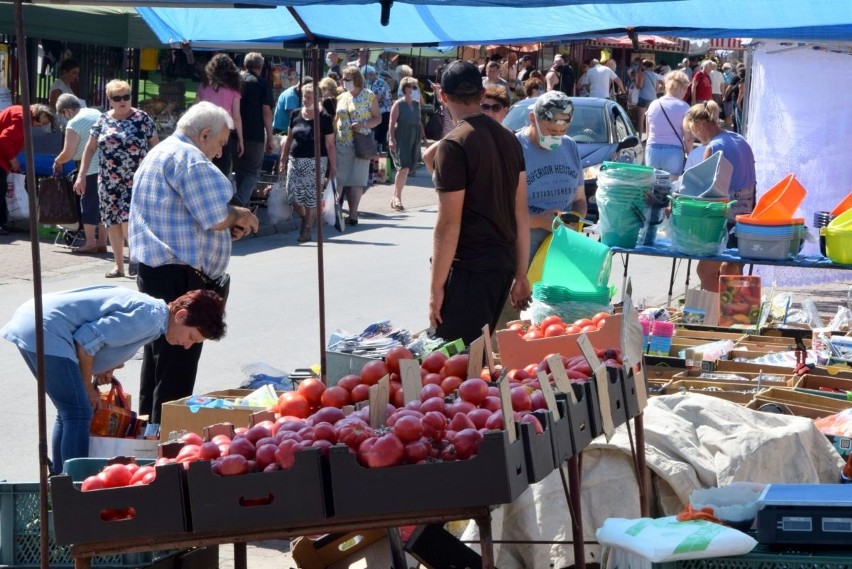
781, 201
699, 227
753, 246
838, 244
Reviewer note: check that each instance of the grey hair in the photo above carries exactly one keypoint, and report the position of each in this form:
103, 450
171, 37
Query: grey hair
200, 116
67, 101
253, 60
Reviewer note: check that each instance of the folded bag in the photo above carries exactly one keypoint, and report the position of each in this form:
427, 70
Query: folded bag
113, 416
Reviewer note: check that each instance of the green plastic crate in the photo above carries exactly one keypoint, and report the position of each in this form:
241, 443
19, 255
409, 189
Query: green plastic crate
20, 527
761, 557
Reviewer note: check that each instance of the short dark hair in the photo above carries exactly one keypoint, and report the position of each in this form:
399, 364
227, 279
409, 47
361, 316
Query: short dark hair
68, 65
205, 311
462, 82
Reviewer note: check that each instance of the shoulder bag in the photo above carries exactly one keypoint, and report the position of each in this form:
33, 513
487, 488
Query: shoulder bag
365, 144
57, 204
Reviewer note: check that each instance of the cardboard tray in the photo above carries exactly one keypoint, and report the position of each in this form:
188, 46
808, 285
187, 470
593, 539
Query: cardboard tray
621, 408
515, 352
798, 403
496, 475
259, 500
695, 375
574, 431
741, 394
539, 449
160, 509
176, 415
812, 384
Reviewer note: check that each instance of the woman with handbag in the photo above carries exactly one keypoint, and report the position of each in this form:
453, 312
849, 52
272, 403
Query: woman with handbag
297, 162
357, 114
80, 122
88, 333
667, 144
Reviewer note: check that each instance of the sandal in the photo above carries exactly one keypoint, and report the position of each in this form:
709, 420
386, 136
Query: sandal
396, 204
351, 221
114, 274
304, 237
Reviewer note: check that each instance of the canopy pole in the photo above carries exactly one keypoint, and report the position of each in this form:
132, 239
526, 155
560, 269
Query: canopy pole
318, 142
43, 461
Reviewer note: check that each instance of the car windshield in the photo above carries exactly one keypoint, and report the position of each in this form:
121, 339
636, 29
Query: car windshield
587, 126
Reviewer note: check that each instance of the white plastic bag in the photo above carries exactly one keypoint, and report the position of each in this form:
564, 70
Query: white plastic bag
328, 201
17, 201
277, 207
666, 539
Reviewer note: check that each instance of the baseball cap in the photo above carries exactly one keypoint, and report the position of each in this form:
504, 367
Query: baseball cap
551, 104
461, 79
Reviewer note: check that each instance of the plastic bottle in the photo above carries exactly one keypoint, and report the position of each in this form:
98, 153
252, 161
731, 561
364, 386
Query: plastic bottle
660, 341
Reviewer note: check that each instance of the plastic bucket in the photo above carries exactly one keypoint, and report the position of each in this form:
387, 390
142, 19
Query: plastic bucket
572, 255
781, 200
780, 231
696, 207
753, 221
844, 220
838, 245
699, 235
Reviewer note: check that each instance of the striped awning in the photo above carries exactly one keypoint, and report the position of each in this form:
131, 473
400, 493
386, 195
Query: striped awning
726, 43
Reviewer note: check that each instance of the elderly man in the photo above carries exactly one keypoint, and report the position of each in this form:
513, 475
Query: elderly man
181, 228
481, 240
701, 89
256, 112
601, 78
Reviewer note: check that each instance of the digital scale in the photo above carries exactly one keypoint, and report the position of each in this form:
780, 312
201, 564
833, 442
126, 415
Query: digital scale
805, 514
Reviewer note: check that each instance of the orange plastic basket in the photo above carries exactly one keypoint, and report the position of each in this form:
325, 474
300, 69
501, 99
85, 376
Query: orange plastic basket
843, 206
781, 201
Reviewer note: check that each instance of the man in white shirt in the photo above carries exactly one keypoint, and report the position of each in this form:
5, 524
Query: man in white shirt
600, 78
717, 82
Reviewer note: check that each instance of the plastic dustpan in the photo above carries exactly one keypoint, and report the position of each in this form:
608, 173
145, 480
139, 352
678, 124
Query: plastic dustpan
709, 179
781, 200
842, 221
843, 206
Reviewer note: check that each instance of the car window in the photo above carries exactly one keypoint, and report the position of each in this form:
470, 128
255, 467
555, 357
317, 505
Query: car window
588, 125
622, 131
517, 117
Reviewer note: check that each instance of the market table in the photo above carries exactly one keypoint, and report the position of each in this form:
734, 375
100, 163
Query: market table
481, 515
727, 256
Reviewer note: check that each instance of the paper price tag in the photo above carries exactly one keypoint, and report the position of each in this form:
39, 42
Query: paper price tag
409, 373
508, 413
474, 362
560, 377
602, 382
379, 394
489, 348
549, 397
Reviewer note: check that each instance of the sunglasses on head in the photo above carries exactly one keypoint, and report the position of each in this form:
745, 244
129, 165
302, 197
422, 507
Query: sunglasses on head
495, 108
119, 98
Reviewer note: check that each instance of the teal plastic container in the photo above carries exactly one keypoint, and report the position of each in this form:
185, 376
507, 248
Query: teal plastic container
576, 261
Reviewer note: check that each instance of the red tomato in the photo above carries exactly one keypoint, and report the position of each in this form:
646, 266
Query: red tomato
434, 424
521, 400
115, 476
433, 404
533, 334
353, 432
517, 327
92, 483
360, 393
435, 378
335, 396
583, 322
431, 390
327, 415
589, 328
466, 443
348, 382
479, 416
191, 439
372, 372
572, 329
311, 389
295, 404
325, 432
417, 451
599, 316
473, 391
433, 362
408, 429
381, 451
456, 365
395, 354
549, 320
450, 384
601, 323
554, 330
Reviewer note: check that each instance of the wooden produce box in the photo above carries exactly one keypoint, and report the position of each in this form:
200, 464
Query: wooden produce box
515, 352
708, 335
798, 403
159, 509
733, 392
825, 386
768, 379
728, 366
177, 416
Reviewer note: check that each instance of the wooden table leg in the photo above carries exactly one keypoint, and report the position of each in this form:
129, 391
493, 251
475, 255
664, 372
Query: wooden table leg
240, 555
486, 542
574, 487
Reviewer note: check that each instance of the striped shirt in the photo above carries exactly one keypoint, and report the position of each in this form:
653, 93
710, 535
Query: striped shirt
178, 195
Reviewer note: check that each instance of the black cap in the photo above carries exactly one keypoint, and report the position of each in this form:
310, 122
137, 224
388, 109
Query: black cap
461, 79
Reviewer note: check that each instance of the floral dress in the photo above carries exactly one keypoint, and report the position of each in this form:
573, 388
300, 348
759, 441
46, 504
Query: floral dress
123, 144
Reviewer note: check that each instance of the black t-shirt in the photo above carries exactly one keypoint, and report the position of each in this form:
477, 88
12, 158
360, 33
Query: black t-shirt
566, 80
735, 89
257, 92
485, 159
303, 134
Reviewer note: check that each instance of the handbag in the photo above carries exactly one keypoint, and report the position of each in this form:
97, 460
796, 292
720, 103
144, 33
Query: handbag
113, 416
365, 145
57, 204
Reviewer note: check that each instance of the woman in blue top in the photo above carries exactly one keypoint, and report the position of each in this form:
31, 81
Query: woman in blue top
90, 332
646, 82
703, 121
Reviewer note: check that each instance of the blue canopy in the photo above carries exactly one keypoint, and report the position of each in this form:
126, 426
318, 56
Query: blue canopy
449, 22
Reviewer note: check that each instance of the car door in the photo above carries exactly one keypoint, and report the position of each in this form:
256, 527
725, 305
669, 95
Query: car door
623, 127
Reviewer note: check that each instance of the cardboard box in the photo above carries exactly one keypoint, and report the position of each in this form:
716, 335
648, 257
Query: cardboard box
741, 394
177, 416
798, 403
709, 334
515, 352
768, 379
342, 550
728, 366
825, 386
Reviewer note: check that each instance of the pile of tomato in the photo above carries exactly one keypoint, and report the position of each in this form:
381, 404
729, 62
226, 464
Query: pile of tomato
553, 325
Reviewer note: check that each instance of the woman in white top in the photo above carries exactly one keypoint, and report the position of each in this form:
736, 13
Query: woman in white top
667, 147
69, 74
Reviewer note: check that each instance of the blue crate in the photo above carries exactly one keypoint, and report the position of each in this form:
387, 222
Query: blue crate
19, 534
44, 164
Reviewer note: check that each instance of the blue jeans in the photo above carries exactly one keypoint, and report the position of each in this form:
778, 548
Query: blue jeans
668, 157
64, 385
247, 170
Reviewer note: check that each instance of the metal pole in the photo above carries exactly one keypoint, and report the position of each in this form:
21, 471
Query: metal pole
43, 461
318, 141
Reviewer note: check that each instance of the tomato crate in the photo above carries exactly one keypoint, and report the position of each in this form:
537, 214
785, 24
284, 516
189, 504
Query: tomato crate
259, 500
574, 430
623, 400
20, 530
159, 509
762, 557
538, 448
359, 491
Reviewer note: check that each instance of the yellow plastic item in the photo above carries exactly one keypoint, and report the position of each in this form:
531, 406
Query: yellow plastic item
838, 244
537, 265
842, 221
781, 201
843, 206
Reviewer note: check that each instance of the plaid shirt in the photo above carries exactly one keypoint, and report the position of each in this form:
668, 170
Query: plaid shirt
178, 195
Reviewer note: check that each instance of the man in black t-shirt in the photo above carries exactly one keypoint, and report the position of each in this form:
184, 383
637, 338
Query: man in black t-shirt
560, 77
481, 241
256, 111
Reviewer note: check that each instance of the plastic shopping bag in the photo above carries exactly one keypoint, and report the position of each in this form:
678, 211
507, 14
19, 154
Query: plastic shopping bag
332, 211
17, 201
276, 205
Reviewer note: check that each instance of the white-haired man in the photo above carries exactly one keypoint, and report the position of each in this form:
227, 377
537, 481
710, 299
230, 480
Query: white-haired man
180, 232
701, 89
